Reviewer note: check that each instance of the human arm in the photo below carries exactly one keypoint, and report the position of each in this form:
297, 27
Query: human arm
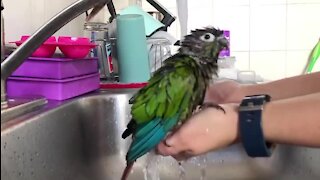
293, 121
230, 91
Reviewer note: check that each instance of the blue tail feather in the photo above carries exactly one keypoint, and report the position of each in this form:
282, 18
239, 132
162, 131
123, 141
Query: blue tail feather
149, 135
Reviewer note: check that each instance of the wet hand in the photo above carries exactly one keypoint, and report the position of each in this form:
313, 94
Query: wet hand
207, 130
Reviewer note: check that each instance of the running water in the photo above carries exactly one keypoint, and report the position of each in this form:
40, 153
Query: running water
182, 171
201, 163
151, 171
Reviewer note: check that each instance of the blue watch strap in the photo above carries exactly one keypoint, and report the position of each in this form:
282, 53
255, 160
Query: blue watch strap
250, 115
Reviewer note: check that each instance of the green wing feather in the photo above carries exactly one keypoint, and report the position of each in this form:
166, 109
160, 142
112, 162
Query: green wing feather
170, 90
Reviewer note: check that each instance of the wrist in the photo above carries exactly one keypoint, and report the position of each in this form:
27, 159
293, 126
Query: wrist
243, 91
233, 117
268, 125
251, 126
251, 89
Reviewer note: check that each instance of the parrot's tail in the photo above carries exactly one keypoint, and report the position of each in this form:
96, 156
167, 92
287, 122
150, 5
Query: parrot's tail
146, 138
148, 135
127, 171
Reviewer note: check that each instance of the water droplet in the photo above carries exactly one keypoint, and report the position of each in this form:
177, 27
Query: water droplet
207, 130
203, 173
44, 165
182, 172
4, 145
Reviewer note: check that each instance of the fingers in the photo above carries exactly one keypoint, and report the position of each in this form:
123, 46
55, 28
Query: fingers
173, 146
176, 153
182, 156
170, 146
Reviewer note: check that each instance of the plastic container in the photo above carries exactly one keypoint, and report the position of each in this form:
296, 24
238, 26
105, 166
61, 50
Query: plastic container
56, 68
53, 89
132, 49
226, 51
227, 62
73, 40
47, 49
150, 23
75, 47
227, 69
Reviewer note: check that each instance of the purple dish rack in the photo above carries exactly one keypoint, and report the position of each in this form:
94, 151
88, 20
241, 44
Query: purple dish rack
54, 78
55, 89
56, 68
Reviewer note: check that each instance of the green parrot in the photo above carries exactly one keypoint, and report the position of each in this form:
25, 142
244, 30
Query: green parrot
173, 92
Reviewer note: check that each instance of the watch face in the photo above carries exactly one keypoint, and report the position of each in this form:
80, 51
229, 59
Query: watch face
259, 96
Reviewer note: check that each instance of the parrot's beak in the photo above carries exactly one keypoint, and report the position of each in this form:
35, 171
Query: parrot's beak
223, 41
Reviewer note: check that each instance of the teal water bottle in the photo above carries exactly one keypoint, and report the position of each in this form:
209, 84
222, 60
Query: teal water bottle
132, 49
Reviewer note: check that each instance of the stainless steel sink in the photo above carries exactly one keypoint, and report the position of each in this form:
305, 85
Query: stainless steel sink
81, 139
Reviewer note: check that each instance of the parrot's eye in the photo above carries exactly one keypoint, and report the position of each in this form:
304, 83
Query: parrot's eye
208, 37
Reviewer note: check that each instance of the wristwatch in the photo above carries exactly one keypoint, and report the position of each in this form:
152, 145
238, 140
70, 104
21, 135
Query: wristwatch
250, 122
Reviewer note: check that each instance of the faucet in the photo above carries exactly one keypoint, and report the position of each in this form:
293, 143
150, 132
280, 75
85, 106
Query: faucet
14, 60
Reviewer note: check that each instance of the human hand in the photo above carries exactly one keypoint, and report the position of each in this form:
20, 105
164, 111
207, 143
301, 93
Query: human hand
225, 92
207, 130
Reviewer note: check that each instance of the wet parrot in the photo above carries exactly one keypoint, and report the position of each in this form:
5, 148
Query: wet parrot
173, 92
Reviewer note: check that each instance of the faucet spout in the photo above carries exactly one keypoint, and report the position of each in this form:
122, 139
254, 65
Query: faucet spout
12, 62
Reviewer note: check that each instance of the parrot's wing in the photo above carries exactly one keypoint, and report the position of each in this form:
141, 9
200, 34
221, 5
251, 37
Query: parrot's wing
168, 92
158, 107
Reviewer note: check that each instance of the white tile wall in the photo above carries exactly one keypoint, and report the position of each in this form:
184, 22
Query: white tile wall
269, 64
296, 61
267, 27
232, 2
25, 17
302, 1
303, 25
242, 59
267, 2
272, 37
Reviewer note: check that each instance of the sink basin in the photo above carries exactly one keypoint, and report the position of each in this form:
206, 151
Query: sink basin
81, 139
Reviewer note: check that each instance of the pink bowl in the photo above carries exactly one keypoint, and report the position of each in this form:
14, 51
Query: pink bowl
73, 40
75, 47
47, 49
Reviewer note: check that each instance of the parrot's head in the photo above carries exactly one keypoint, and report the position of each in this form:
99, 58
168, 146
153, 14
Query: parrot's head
205, 44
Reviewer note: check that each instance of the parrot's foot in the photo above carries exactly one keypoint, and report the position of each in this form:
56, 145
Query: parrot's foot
211, 105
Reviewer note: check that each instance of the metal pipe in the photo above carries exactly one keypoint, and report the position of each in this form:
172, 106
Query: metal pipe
12, 62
